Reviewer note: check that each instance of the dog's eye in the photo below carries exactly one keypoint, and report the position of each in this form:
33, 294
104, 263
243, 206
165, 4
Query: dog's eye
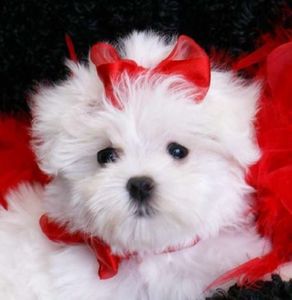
177, 151
107, 155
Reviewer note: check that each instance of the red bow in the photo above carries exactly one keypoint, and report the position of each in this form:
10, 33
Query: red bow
108, 262
186, 59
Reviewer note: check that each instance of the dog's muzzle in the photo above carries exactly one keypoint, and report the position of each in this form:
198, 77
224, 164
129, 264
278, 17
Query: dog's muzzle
141, 190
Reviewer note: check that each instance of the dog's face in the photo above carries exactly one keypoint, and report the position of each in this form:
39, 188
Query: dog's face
159, 172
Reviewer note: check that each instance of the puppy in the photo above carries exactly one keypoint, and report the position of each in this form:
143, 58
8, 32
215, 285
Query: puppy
147, 160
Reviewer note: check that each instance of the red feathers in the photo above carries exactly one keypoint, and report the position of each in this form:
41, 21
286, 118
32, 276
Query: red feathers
272, 175
17, 161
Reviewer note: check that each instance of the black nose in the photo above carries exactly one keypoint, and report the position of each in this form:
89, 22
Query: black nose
140, 188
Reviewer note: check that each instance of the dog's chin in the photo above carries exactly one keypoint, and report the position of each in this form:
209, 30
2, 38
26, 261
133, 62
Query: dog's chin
148, 232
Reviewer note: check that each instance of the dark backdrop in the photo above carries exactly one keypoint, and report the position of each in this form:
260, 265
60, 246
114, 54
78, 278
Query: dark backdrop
32, 32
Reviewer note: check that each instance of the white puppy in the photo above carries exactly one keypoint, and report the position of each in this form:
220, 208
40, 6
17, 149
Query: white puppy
161, 180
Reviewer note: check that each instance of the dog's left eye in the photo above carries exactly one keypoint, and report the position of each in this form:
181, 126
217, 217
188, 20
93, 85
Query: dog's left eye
177, 151
107, 155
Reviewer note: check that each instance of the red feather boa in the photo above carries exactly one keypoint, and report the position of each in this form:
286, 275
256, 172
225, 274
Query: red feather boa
272, 175
17, 161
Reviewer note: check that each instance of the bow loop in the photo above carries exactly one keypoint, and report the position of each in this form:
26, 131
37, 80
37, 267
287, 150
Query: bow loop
186, 49
108, 262
191, 61
103, 53
109, 66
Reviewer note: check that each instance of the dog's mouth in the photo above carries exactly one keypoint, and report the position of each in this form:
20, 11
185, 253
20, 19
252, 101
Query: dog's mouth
144, 211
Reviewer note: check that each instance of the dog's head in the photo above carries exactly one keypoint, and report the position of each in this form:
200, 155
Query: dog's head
158, 171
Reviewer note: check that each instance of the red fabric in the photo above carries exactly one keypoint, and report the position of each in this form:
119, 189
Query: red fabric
17, 161
108, 262
186, 59
71, 49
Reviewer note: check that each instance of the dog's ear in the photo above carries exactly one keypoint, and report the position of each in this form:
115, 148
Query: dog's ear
231, 106
56, 109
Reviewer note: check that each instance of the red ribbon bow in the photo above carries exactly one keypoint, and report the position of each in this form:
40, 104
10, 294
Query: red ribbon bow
187, 59
108, 262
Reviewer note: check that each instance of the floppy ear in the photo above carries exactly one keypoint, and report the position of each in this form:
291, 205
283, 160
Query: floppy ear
231, 106
57, 110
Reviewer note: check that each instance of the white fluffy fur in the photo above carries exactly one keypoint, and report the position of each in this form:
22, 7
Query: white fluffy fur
204, 195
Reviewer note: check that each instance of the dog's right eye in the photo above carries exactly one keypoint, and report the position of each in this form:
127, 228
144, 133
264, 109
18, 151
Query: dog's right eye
107, 155
177, 151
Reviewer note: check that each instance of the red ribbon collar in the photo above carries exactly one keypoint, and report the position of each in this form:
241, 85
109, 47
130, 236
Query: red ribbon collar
186, 59
107, 261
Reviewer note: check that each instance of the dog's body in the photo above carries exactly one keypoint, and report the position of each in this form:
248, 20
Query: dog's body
196, 155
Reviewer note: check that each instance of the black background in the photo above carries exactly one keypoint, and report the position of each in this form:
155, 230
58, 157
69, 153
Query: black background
32, 46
